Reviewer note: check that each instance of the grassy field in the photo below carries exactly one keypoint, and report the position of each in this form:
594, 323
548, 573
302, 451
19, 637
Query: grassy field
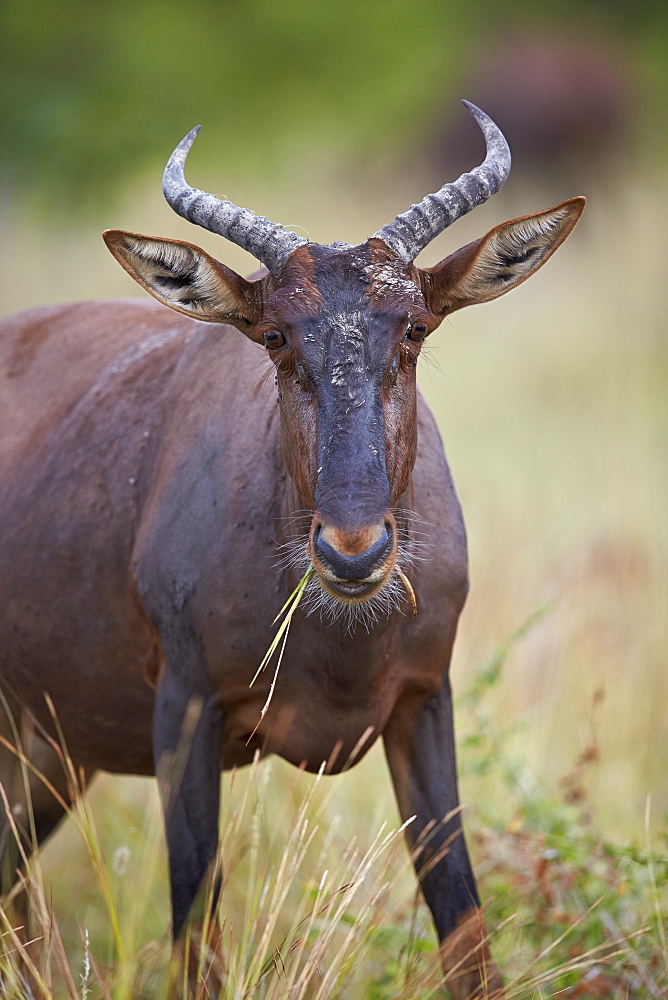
553, 406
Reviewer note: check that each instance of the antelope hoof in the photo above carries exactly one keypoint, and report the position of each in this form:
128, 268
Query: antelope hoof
470, 971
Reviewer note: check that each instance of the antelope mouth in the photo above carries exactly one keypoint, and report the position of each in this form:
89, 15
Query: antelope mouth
353, 566
354, 588
351, 592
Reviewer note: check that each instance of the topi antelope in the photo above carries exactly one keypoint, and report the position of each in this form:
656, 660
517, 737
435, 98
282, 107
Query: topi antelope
148, 475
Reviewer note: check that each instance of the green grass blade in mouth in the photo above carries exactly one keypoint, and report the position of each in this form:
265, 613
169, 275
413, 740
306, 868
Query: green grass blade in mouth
281, 638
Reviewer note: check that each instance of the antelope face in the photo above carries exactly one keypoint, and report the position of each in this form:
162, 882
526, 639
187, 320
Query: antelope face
344, 326
345, 363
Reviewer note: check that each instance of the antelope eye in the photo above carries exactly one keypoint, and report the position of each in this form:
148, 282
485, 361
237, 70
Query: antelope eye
273, 339
416, 331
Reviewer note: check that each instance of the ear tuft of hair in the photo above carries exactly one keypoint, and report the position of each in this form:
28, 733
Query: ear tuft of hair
519, 249
501, 260
185, 278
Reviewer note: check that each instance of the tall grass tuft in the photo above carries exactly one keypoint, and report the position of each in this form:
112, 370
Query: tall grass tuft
318, 896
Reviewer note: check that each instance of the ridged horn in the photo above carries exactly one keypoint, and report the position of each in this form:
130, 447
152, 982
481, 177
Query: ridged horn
415, 229
268, 241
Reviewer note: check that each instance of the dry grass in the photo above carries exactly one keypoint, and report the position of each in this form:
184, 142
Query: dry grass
319, 899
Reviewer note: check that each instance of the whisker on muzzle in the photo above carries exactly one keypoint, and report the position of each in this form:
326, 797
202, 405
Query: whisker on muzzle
395, 594
365, 613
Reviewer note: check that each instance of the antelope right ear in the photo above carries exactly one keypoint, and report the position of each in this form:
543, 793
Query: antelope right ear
501, 260
187, 279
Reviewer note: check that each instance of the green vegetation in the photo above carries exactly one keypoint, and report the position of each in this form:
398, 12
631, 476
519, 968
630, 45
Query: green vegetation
318, 903
91, 93
581, 913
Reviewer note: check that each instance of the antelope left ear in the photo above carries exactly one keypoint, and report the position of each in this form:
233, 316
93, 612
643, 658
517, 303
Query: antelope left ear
499, 261
188, 279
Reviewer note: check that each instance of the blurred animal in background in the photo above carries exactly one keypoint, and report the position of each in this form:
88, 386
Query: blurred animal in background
152, 462
564, 104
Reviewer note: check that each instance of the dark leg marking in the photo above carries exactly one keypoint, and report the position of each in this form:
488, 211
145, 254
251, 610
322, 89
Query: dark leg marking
187, 733
420, 749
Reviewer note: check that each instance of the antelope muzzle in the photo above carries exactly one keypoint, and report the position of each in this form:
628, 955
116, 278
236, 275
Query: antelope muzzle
353, 564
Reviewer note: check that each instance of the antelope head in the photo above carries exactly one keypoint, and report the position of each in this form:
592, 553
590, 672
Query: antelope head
344, 326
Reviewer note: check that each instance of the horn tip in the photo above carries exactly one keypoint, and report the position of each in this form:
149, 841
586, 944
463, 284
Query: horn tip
497, 144
173, 173
475, 110
191, 136
187, 140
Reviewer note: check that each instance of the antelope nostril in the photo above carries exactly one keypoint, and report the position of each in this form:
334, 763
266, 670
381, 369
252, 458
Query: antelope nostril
359, 567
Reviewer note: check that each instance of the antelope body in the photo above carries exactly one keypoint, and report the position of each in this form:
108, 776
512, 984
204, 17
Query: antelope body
149, 472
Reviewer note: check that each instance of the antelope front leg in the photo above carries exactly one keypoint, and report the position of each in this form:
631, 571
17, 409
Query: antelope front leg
420, 749
187, 733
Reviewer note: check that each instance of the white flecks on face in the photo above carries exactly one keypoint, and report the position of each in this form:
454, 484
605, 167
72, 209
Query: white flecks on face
345, 353
390, 278
338, 374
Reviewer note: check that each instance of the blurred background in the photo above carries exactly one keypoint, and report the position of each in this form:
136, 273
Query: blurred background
332, 118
